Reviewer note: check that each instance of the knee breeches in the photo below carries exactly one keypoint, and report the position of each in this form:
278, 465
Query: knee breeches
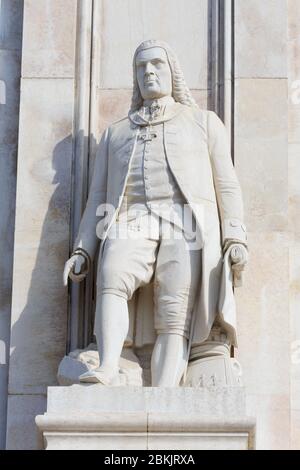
173, 267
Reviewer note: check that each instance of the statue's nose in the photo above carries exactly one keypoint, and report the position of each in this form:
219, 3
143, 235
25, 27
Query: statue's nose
149, 74
149, 69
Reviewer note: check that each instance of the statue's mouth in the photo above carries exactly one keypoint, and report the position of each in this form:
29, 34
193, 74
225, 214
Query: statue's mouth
151, 78
150, 81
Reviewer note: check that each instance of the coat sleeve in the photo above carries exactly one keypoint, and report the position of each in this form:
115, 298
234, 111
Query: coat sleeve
227, 187
87, 237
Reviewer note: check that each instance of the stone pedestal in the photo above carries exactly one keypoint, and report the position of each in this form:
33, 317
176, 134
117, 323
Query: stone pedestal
124, 418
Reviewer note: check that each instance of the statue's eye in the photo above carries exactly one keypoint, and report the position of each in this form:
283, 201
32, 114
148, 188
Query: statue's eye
159, 63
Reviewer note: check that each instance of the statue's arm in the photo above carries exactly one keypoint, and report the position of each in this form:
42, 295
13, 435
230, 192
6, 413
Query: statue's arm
87, 241
229, 196
228, 190
87, 238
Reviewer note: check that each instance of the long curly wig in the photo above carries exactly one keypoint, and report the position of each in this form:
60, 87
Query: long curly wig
180, 91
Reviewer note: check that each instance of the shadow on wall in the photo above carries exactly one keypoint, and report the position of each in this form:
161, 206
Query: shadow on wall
39, 336
11, 26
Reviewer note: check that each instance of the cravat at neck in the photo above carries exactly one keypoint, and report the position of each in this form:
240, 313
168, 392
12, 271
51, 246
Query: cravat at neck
153, 111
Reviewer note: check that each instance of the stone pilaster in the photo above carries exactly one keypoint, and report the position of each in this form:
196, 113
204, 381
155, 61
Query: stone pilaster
39, 300
261, 160
11, 18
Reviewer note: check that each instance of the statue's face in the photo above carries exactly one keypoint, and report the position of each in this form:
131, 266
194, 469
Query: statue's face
153, 73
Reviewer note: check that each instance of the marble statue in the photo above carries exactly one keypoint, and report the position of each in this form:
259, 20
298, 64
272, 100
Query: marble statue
165, 207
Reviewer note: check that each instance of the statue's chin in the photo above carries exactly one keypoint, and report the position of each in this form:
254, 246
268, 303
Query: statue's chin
152, 92
153, 96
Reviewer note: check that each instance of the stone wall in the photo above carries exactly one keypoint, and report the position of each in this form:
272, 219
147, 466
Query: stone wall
266, 147
294, 213
11, 18
39, 300
127, 23
261, 159
54, 125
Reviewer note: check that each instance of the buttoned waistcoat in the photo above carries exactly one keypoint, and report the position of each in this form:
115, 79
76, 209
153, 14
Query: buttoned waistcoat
197, 150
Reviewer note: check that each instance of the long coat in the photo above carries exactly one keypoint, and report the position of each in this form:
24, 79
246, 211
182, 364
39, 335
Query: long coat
198, 153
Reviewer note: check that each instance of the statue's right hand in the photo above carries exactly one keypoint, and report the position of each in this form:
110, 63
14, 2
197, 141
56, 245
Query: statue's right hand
73, 265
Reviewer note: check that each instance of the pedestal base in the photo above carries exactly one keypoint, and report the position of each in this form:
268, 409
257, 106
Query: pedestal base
124, 418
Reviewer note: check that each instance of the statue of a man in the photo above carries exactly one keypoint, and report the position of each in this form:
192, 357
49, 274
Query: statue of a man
166, 172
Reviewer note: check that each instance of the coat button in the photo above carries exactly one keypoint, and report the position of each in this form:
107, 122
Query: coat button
234, 224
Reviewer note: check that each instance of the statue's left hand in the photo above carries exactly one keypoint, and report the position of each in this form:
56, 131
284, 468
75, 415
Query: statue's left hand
239, 259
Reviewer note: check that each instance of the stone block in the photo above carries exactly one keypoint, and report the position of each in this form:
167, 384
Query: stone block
213, 401
261, 152
124, 25
294, 187
49, 38
294, 113
272, 420
11, 19
260, 46
295, 430
294, 39
45, 155
263, 325
22, 433
97, 417
113, 105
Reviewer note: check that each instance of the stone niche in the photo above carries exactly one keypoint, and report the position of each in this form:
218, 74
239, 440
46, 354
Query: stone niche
208, 411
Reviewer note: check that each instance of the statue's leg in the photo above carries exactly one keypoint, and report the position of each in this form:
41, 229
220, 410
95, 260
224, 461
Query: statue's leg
176, 284
125, 265
168, 360
111, 331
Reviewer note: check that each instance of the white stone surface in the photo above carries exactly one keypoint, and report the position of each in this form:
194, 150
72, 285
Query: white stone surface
96, 417
214, 371
261, 47
80, 361
273, 424
106, 433
85, 398
38, 329
21, 429
261, 151
294, 214
123, 25
49, 39
294, 190
265, 353
41, 234
261, 159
